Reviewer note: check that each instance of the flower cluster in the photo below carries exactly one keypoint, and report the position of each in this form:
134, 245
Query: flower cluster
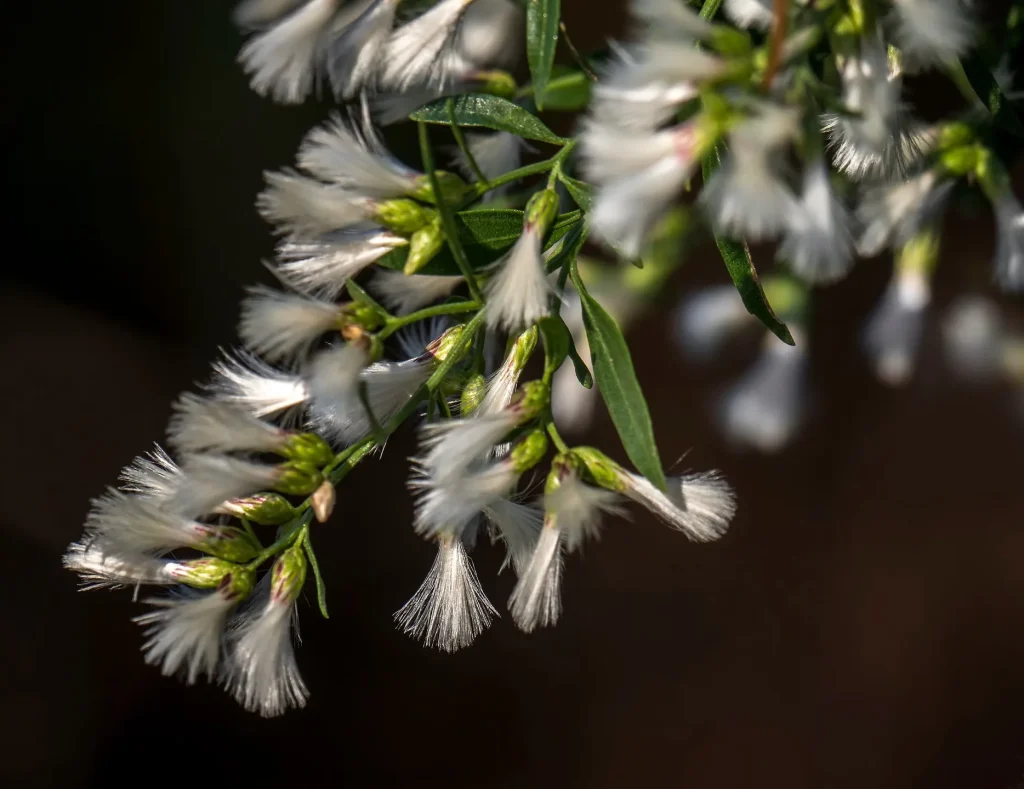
461, 301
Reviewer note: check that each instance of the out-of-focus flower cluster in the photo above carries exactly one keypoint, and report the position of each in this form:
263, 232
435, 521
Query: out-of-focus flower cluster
461, 301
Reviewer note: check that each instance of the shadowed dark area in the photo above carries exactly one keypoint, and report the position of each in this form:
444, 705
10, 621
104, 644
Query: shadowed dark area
858, 627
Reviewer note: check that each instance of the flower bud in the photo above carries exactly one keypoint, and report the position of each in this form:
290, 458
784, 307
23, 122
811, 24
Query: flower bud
443, 346
496, 83
565, 464
288, 575
954, 135
472, 395
238, 584
402, 216
298, 478
265, 509
602, 470
541, 211
323, 500
309, 448
205, 573
225, 542
525, 345
531, 400
960, 160
357, 318
424, 244
529, 451
453, 188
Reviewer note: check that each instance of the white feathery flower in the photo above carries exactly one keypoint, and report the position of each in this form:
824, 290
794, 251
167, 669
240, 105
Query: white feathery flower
450, 447
489, 33
501, 386
302, 206
893, 331
893, 213
254, 14
517, 295
203, 425
610, 152
700, 505
818, 244
757, 14
450, 608
518, 525
536, 600
973, 335
101, 564
333, 378
354, 56
210, 480
870, 90
323, 267
154, 476
245, 380
577, 508
1009, 263
707, 318
185, 632
130, 526
669, 19
263, 674
353, 158
404, 293
281, 326
423, 51
905, 146
453, 502
282, 62
766, 407
932, 32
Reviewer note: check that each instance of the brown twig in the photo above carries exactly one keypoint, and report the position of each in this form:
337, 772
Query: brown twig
580, 60
780, 9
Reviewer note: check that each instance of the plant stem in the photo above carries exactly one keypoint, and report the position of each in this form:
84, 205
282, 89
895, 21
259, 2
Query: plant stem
460, 140
580, 60
447, 217
430, 312
556, 439
780, 9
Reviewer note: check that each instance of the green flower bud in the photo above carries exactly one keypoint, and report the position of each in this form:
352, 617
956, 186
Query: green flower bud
920, 253
953, 135
309, 448
960, 160
402, 216
443, 346
288, 575
564, 464
357, 318
205, 573
529, 451
496, 83
541, 211
524, 347
531, 400
298, 478
472, 395
424, 244
225, 542
453, 188
266, 509
601, 469
238, 584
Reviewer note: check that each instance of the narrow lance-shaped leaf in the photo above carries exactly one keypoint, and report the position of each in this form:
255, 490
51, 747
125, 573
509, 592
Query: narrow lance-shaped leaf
617, 382
581, 193
741, 268
557, 341
541, 38
489, 112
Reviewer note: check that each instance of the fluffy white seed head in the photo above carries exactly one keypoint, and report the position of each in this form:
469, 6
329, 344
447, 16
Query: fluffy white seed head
323, 267
450, 447
904, 147
101, 564
757, 14
699, 505
518, 525
453, 502
487, 34
818, 244
153, 475
127, 525
334, 382
577, 509
423, 51
403, 293
450, 609
262, 673
185, 633
536, 600
282, 62
1009, 263
933, 32
892, 213
354, 55
304, 207
765, 408
517, 296
244, 380
203, 425
610, 152
281, 326
210, 480
669, 19
893, 330
747, 199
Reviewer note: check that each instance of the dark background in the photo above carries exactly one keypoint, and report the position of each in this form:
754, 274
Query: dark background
859, 626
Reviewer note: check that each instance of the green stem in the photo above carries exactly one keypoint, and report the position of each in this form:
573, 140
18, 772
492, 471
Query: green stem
460, 140
524, 172
288, 536
556, 439
447, 217
710, 8
453, 308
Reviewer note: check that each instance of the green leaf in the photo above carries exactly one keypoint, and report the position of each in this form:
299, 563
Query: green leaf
617, 382
486, 235
568, 91
741, 268
321, 589
984, 84
580, 367
489, 112
541, 38
557, 341
581, 193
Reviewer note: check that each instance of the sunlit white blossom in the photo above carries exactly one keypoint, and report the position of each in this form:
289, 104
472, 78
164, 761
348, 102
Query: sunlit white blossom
210, 480
203, 425
750, 13
333, 378
892, 213
281, 326
536, 600
324, 266
423, 51
302, 206
354, 56
517, 295
932, 32
101, 564
818, 244
153, 475
893, 330
245, 380
518, 526
700, 504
